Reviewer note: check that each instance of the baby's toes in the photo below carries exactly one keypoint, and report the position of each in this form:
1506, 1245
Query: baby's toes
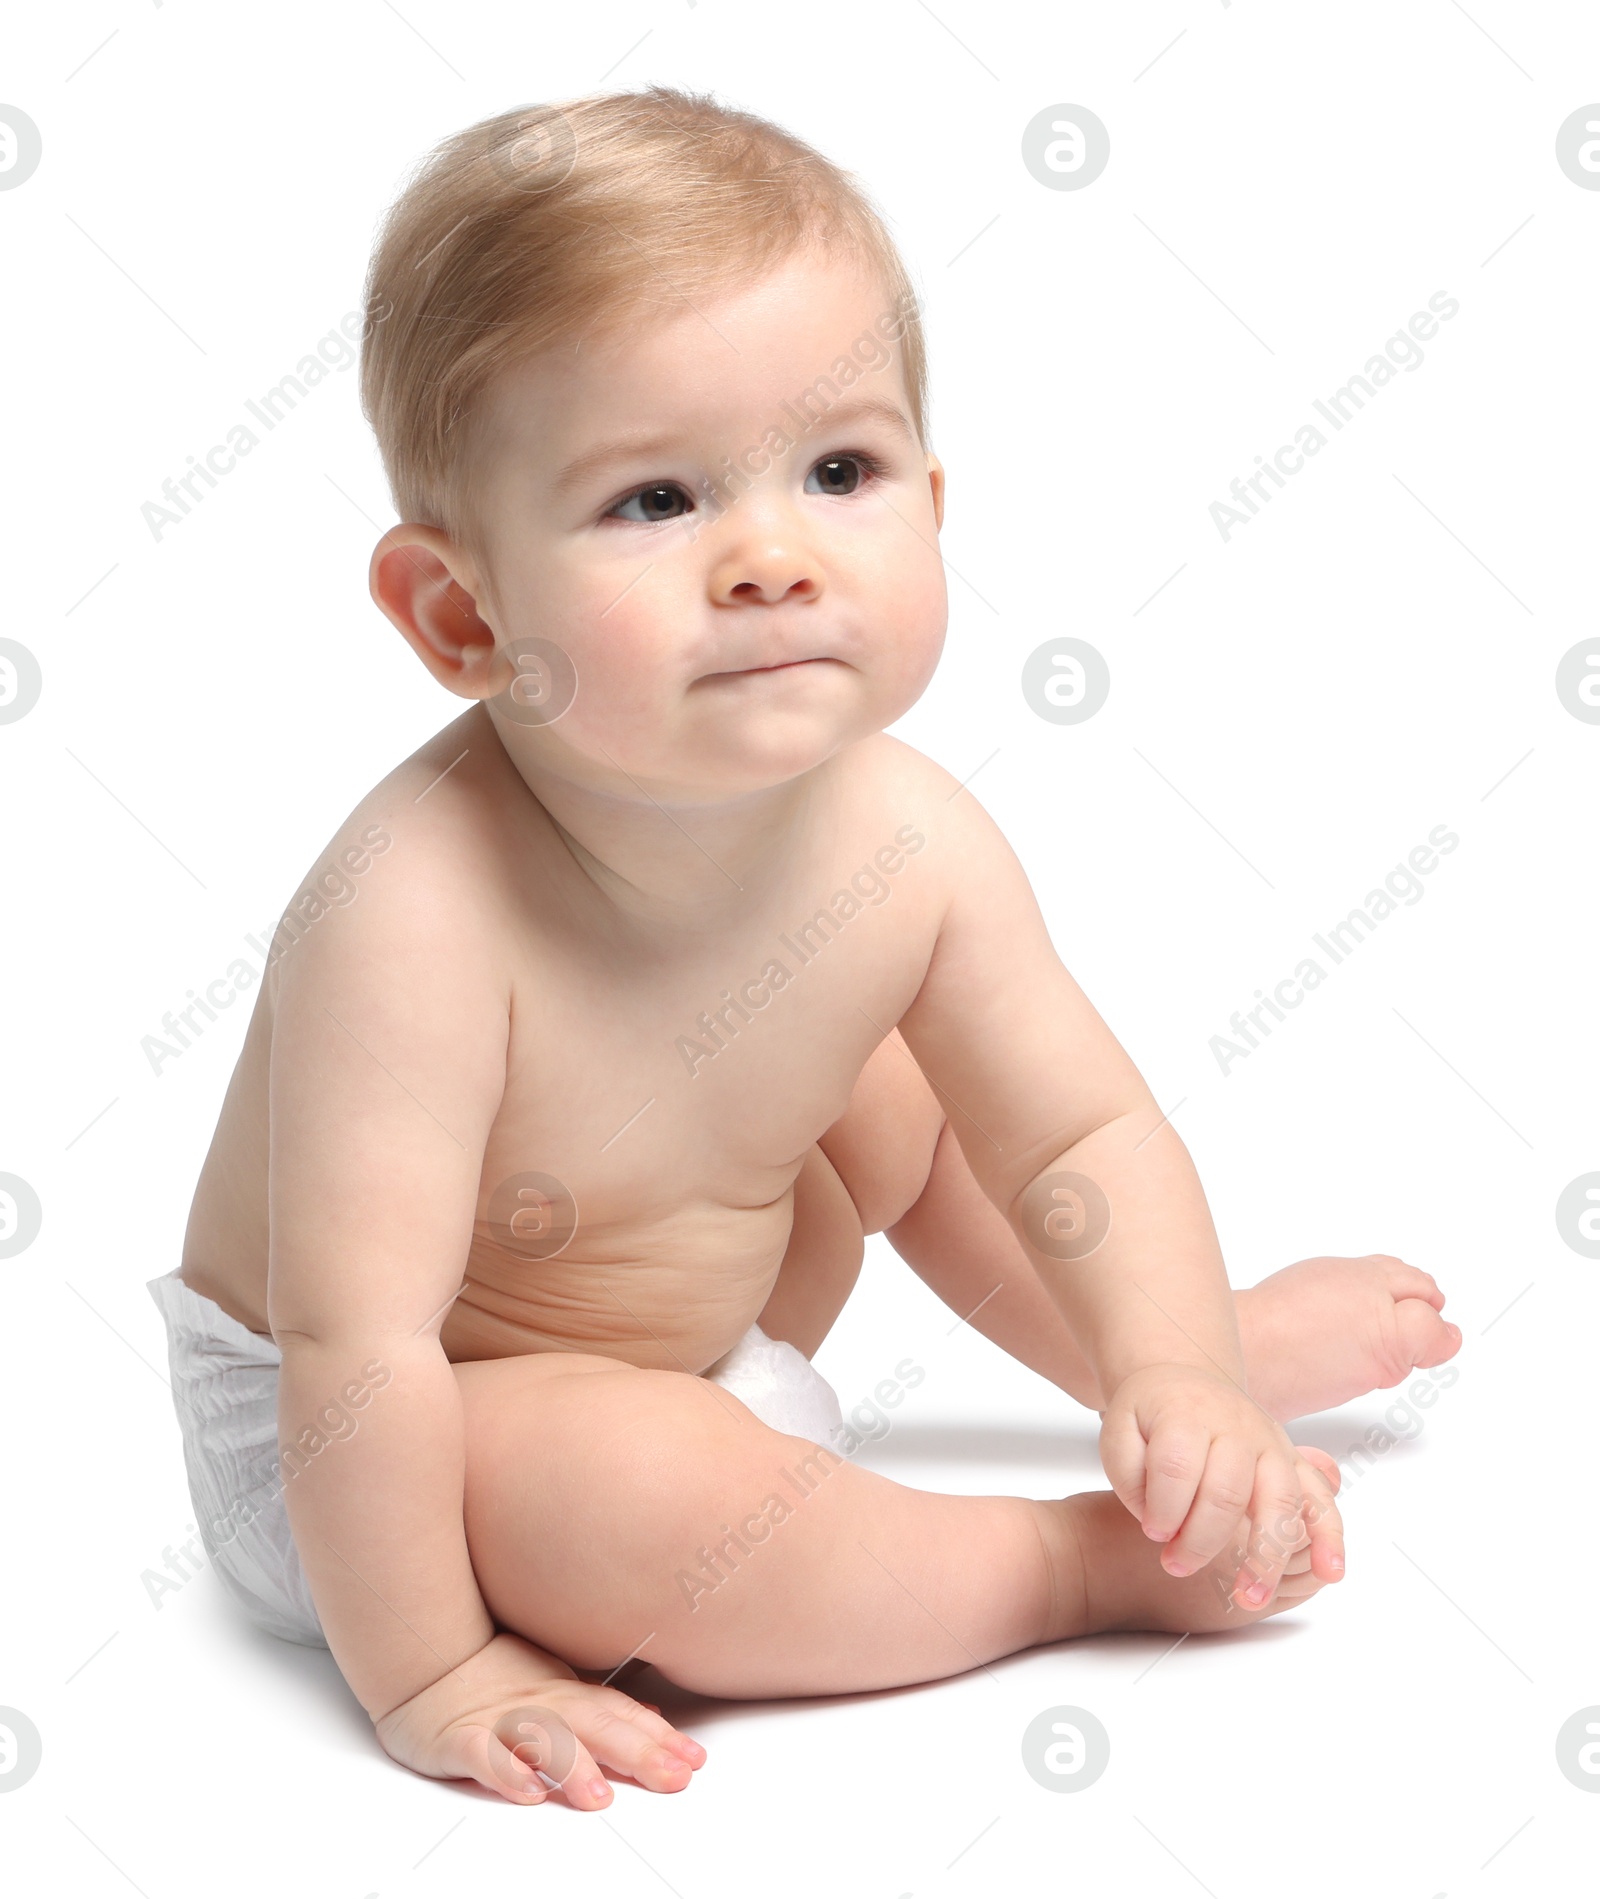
1296, 1585
1320, 1461
1408, 1282
1297, 1580
1425, 1338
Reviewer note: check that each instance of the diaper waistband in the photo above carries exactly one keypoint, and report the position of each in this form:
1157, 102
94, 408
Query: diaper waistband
197, 1320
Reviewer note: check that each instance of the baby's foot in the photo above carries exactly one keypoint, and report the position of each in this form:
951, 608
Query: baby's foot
1123, 1585
1327, 1330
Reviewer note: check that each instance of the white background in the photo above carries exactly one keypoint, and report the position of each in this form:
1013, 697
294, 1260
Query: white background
1366, 660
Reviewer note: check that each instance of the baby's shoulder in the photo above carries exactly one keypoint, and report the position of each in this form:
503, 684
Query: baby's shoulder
408, 876
895, 778
887, 767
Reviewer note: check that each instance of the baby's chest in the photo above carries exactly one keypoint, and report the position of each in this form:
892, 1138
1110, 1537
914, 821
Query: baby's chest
632, 1092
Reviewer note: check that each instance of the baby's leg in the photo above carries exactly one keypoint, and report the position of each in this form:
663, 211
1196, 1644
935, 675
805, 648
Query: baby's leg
612, 1511
957, 1240
1314, 1335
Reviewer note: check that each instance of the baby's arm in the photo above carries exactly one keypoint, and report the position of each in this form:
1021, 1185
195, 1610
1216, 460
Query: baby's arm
1035, 1085
388, 1065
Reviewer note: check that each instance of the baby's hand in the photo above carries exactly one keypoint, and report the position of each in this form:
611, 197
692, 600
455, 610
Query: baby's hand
1191, 1456
511, 1708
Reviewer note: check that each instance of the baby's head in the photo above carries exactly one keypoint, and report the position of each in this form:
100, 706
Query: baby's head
649, 385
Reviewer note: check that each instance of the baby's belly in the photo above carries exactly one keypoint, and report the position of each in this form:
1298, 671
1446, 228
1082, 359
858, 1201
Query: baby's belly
673, 1297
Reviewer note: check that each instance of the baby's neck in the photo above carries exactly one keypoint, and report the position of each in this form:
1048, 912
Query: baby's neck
665, 860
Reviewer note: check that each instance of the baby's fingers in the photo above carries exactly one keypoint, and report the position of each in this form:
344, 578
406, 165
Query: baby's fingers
1322, 1514
1221, 1497
1276, 1531
487, 1760
1123, 1454
1174, 1465
631, 1740
534, 1740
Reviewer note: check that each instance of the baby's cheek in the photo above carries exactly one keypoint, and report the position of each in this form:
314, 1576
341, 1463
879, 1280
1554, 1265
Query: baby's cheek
631, 616
626, 677
614, 646
914, 639
920, 601
627, 693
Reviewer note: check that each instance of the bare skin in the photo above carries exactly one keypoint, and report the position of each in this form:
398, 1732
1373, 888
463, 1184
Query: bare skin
590, 949
1315, 1334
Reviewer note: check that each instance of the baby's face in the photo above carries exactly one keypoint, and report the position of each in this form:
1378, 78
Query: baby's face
718, 650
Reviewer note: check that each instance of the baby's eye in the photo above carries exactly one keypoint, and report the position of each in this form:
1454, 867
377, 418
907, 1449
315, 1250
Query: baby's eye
840, 474
656, 503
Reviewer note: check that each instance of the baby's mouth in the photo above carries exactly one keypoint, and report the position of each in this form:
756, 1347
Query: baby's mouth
781, 666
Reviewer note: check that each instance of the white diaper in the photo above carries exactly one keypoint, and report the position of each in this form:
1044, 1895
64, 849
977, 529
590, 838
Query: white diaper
225, 1389
781, 1386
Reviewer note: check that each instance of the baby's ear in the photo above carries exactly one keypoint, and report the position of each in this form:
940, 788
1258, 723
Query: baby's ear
936, 483
426, 585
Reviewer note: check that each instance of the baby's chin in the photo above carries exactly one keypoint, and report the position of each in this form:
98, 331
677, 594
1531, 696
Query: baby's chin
744, 758
745, 741
739, 764
726, 737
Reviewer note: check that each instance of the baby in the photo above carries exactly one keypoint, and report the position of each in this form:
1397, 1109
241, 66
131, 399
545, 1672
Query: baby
613, 1018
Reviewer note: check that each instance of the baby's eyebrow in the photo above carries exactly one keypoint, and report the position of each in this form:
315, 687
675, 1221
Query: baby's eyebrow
592, 460
628, 448
866, 409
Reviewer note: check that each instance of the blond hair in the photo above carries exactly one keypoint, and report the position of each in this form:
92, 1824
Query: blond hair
549, 223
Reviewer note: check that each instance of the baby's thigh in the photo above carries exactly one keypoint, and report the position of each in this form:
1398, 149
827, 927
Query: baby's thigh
882, 1145
540, 1424
589, 1481
613, 1512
